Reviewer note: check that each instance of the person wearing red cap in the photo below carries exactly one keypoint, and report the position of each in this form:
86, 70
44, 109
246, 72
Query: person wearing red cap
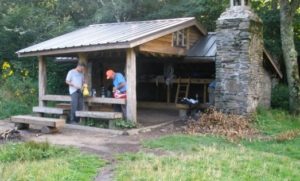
119, 88
119, 82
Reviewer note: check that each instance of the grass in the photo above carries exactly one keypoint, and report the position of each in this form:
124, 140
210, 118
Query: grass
43, 162
190, 157
276, 121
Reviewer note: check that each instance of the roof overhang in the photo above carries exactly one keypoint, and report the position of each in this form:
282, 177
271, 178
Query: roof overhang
131, 43
274, 65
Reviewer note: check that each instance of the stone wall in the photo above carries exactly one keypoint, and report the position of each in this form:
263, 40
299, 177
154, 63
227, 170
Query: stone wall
239, 61
266, 88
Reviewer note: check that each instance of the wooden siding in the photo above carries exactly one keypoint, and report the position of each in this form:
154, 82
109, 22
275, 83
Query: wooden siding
193, 36
162, 45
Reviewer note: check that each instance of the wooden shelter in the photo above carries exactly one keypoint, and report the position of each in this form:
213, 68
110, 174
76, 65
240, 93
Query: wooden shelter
159, 47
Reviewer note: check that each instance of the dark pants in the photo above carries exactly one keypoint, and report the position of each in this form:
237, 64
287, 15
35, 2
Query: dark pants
76, 105
120, 108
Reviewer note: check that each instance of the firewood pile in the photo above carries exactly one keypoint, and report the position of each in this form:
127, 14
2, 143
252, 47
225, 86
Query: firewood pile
10, 134
217, 123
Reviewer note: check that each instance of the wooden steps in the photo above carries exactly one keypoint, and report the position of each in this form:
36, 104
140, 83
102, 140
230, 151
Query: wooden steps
49, 110
99, 115
48, 124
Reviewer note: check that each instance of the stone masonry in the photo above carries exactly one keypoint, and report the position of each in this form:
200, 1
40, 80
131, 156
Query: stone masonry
239, 61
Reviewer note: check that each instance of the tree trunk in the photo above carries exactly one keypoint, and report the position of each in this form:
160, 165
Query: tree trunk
287, 12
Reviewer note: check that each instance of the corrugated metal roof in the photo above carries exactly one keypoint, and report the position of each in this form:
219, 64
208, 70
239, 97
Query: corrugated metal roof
205, 47
109, 36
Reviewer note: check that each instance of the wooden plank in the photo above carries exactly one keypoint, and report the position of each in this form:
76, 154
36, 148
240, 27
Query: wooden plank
102, 100
99, 115
42, 80
49, 110
269, 57
192, 22
105, 100
52, 122
194, 35
204, 93
184, 81
59, 98
83, 58
131, 106
158, 47
168, 94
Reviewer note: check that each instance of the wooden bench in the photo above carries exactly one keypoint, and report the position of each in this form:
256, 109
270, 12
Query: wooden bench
99, 115
48, 124
110, 116
51, 110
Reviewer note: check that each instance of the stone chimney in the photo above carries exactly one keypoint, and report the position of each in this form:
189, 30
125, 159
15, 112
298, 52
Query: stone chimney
239, 61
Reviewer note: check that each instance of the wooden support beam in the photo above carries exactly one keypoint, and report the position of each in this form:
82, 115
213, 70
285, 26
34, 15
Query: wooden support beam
42, 80
83, 58
168, 94
231, 3
100, 100
99, 115
204, 92
131, 112
162, 49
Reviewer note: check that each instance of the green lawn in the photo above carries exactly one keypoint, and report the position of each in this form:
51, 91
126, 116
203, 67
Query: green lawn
43, 162
214, 158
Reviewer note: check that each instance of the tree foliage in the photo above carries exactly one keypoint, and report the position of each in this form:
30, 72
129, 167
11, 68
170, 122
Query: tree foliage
23, 23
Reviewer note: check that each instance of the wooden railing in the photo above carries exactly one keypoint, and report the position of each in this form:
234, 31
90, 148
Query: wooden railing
102, 100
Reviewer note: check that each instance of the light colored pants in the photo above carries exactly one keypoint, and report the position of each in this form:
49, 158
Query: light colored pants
76, 105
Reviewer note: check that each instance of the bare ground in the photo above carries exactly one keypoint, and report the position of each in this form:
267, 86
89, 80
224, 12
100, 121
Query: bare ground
107, 146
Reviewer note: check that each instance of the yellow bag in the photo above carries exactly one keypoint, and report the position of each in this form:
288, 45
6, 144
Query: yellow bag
85, 91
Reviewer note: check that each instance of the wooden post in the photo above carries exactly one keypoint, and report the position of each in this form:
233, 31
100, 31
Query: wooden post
42, 80
204, 93
168, 94
243, 3
83, 58
131, 112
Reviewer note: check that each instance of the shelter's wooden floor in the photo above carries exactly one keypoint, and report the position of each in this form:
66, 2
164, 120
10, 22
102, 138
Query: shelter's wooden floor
148, 117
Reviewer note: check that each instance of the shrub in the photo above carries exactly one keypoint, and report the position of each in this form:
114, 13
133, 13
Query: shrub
280, 97
17, 96
124, 124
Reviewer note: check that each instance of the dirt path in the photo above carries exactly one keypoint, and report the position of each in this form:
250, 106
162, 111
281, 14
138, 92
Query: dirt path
107, 146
